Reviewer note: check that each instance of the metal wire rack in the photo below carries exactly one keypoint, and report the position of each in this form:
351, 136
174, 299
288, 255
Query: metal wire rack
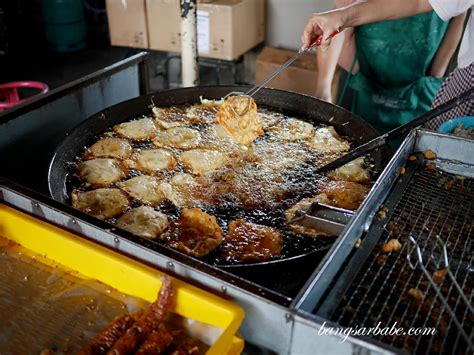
391, 290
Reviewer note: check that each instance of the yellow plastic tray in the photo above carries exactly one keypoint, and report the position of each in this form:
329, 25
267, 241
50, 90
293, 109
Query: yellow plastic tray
124, 274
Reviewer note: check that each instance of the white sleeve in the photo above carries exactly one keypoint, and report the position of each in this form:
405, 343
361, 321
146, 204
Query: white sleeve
447, 9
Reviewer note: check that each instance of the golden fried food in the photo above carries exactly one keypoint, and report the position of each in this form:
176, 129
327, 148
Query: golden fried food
109, 148
239, 117
151, 161
157, 342
247, 241
429, 154
178, 137
343, 194
293, 130
204, 113
278, 156
100, 172
145, 189
148, 322
185, 190
391, 245
327, 140
145, 222
170, 117
139, 130
270, 119
101, 203
103, 341
201, 161
199, 234
353, 171
303, 205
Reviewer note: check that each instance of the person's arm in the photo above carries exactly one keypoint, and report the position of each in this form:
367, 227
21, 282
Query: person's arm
360, 13
448, 47
328, 57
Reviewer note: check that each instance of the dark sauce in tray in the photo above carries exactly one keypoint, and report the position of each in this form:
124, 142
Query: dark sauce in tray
297, 180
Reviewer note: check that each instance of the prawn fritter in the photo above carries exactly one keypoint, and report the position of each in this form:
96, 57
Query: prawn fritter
139, 130
185, 190
269, 118
278, 156
327, 140
253, 187
198, 233
145, 222
239, 117
150, 161
204, 112
353, 171
170, 117
109, 148
201, 161
344, 194
247, 241
303, 205
100, 172
178, 137
145, 189
101, 203
292, 130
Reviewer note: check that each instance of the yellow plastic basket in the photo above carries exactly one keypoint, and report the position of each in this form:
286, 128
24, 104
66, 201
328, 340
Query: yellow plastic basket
124, 274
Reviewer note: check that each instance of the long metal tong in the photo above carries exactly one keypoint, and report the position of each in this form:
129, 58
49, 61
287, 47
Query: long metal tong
382, 140
443, 263
256, 88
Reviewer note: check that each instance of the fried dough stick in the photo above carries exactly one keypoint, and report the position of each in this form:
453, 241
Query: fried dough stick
142, 328
106, 339
157, 342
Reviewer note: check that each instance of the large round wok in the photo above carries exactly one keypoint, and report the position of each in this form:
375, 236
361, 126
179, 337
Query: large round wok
296, 105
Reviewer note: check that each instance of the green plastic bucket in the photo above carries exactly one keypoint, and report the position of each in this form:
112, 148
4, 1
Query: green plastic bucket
64, 23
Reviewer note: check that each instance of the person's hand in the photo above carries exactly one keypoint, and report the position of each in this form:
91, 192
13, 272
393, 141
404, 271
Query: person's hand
322, 24
324, 94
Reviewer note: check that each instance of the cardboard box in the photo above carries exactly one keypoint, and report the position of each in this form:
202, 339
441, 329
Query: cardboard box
127, 23
300, 77
226, 28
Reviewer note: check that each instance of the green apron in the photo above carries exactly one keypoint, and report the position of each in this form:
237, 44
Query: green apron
392, 86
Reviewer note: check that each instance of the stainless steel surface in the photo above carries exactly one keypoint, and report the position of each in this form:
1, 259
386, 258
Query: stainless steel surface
425, 204
314, 289
32, 131
323, 218
423, 265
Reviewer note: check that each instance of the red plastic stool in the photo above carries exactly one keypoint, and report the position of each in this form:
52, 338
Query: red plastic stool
9, 96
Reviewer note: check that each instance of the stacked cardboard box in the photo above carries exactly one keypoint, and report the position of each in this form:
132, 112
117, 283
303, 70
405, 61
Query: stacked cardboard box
226, 28
300, 77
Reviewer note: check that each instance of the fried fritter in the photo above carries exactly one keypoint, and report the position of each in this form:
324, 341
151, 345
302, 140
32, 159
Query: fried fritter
247, 241
150, 161
145, 189
353, 171
100, 172
101, 203
327, 140
239, 117
205, 112
170, 117
201, 161
198, 233
178, 137
303, 205
109, 148
343, 194
139, 130
145, 222
292, 130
